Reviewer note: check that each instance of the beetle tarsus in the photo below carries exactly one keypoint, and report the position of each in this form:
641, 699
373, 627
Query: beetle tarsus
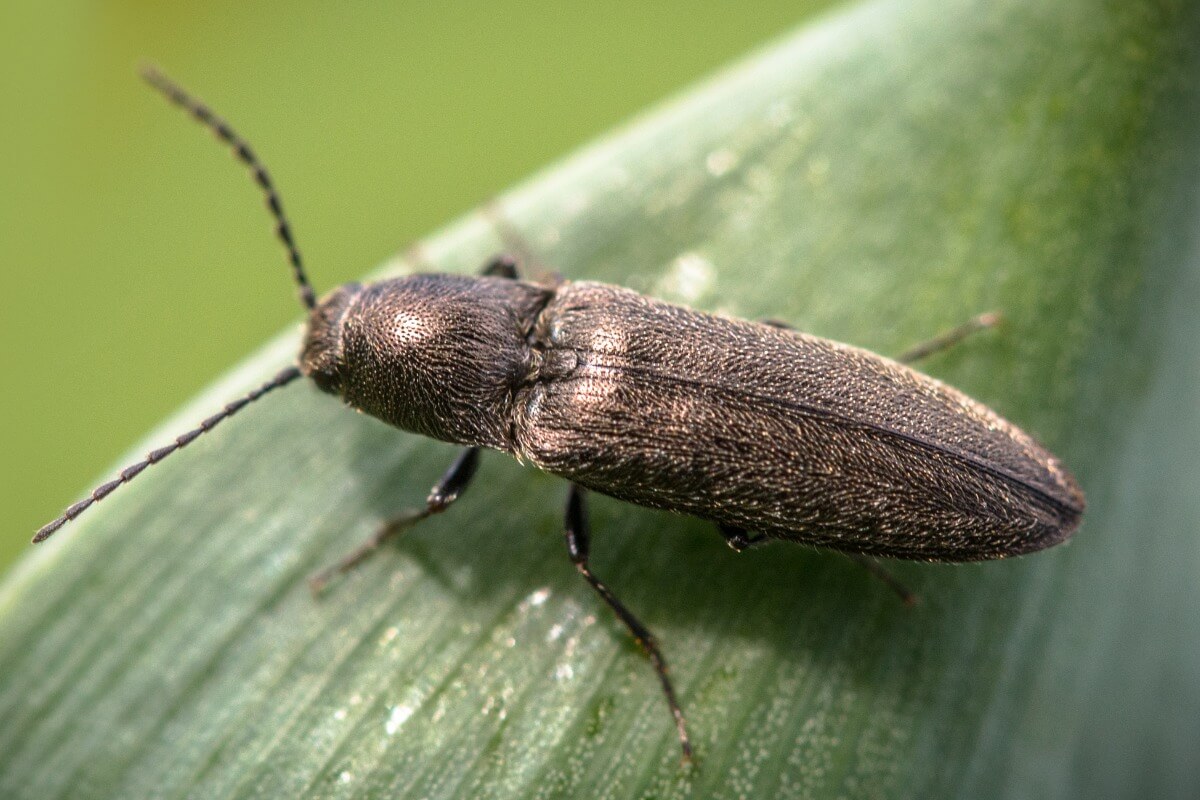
441, 496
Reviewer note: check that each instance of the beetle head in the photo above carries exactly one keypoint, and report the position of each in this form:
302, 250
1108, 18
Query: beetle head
323, 356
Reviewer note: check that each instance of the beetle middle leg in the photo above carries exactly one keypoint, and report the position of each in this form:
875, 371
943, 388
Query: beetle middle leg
578, 537
441, 496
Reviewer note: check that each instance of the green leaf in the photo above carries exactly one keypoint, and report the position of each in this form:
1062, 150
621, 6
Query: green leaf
876, 177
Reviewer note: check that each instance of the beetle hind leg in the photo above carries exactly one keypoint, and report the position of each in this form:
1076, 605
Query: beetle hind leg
943, 341
441, 497
578, 536
872, 566
948, 339
739, 539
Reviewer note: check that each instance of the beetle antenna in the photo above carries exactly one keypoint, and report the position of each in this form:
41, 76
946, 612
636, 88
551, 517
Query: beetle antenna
241, 150
129, 473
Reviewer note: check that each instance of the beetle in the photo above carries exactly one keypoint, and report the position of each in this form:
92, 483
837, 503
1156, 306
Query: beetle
770, 433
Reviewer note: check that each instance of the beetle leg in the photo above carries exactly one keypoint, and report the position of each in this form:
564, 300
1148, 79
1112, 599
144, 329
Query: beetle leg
441, 496
946, 340
578, 542
738, 539
872, 566
502, 266
943, 341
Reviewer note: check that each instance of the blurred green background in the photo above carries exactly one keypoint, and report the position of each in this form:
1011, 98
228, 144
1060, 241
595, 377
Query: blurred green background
138, 263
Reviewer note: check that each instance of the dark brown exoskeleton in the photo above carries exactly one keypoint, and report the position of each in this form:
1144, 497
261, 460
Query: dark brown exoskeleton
769, 433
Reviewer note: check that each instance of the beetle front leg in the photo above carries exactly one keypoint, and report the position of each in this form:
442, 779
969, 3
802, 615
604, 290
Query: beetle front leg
441, 496
502, 266
578, 538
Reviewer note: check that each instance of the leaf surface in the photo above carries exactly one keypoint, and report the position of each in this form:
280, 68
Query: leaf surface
878, 176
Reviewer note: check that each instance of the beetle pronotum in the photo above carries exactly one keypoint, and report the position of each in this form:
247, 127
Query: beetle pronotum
769, 433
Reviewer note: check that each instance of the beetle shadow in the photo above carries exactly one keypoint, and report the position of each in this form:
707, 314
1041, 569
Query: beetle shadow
503, 540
